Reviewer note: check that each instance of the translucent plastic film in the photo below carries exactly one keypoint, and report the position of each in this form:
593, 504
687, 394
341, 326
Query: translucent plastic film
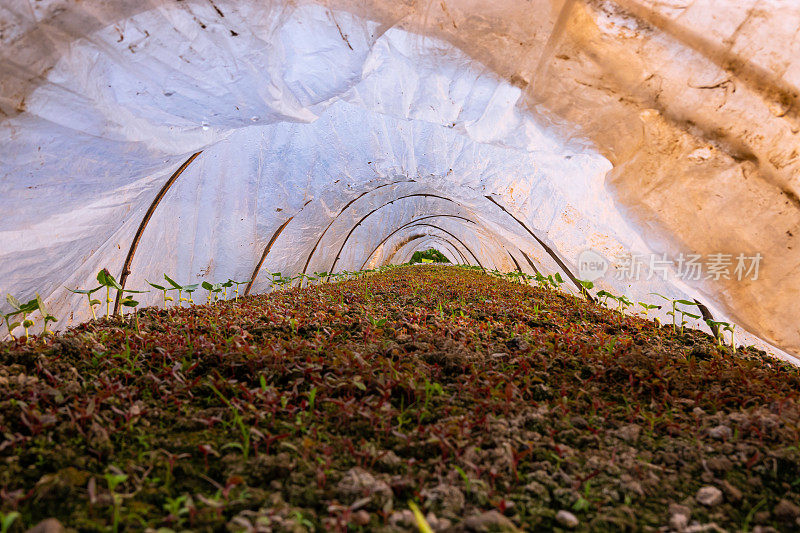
648, 146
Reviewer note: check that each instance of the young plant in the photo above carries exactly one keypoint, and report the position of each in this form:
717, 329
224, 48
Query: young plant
731, 328
225, 287
114, 479
20, 309
212, 289
106, 280
674, 312
128, 301
236, 288
46, 316
7, 520
163, 291
88, 293
683, 312
648, 307
175, 286
715, 326
623, 303
189, 290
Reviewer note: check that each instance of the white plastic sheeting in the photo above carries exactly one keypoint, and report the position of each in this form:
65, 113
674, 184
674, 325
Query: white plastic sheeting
455, 124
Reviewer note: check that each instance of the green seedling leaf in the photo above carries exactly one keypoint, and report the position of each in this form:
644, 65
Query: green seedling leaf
159, 287
105, 279
419, 518
13, 302
172, 282
129, 302
84, 291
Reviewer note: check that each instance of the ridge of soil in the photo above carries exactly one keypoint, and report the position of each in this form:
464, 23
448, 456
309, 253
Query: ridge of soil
492, 405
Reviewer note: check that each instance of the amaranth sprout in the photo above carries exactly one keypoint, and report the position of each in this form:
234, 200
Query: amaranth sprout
88, 293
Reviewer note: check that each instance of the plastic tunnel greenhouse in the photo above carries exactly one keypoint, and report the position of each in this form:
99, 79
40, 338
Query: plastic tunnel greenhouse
641, 152
216, 139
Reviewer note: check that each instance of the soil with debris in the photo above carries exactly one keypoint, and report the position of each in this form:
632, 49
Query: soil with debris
491, 405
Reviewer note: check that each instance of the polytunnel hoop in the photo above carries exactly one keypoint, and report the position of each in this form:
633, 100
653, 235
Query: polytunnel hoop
549, 250
126, 266
342, 210
267, 248
444, 215
457, 239
339, 253
435, 237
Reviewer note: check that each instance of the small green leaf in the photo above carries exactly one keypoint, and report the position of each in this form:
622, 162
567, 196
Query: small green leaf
172, 282
159, 287
13, 302
129, 302
105, 279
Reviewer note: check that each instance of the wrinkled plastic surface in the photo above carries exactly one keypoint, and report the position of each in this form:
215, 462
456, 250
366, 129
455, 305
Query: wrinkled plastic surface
380, 128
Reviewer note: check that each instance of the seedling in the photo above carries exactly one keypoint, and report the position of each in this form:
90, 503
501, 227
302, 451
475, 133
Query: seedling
163, 291
648, 307
175, 286
88, 293
422, 524
128, 301
236, 288
20, 309
106, 280
674, 312
225, 286
623, 303
7, 520
605, 295
189, 290
114, 479
213, 290
712, 324
46, 316
731, 328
